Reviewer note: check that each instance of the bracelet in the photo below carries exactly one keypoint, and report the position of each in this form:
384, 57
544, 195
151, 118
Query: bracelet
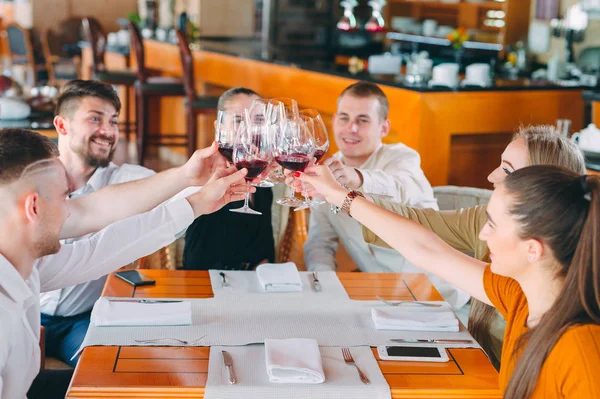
348, 200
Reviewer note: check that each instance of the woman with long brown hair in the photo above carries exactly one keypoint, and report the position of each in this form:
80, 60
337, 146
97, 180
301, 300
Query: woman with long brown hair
543, 234
460, 228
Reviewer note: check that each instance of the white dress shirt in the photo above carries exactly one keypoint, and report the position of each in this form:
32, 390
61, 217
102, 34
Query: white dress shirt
393, 170
104, 252
71, 301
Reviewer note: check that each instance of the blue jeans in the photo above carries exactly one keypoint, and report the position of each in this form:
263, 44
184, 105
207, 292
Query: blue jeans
64, 335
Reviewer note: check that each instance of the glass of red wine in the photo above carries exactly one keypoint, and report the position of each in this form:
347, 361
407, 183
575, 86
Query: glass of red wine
259, 114
315, 123
226, 127
294, 149
252, 150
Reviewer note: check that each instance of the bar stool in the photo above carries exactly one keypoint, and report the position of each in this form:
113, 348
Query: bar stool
194, 104
97, 39
156, 87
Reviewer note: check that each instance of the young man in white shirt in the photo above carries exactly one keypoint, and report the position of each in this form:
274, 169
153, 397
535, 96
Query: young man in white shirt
33, 210
365, 164
86, 120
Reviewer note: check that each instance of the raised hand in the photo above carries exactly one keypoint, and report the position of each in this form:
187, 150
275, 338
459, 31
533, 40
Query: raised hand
322, 182
203, 164
225, 186
345, 175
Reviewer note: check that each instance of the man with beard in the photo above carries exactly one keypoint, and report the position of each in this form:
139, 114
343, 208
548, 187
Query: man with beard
86, 120
33, 212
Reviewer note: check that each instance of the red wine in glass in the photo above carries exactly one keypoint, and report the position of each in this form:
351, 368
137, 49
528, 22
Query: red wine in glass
295, 162
319, 154
227, 151
255, 167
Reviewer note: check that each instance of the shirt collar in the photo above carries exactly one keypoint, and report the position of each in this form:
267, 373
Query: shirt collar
12, 282
96, 181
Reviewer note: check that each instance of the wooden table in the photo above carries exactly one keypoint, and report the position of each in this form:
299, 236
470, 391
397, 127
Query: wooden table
176, 372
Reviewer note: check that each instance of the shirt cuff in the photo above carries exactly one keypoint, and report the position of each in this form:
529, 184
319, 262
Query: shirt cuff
182, 214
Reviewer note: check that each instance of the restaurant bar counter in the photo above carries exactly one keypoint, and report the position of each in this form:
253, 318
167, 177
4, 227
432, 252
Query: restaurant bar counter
459, 134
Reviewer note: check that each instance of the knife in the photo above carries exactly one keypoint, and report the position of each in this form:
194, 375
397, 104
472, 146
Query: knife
229, 364
434, 341
316, 283
144, 300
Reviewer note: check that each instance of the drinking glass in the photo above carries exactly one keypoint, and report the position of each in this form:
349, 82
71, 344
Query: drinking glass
315, 124
294, 149
226, 127
252, 150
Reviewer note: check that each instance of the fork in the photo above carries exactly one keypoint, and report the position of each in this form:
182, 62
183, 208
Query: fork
181, 341
350, 360
398, 303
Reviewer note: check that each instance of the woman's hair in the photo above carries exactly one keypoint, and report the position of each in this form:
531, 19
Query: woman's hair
545, 146
539, 194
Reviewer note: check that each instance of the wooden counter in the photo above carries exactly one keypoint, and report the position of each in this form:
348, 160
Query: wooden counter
460, 135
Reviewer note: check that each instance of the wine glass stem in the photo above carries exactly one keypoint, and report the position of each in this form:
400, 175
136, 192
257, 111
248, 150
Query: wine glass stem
247, 198
304, 191
292, 191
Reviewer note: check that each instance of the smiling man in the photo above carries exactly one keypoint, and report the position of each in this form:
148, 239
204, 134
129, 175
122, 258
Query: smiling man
86, 120
365, 164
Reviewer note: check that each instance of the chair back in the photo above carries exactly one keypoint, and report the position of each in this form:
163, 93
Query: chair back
19, 44
138, 45
50, 41
187, 64
454, 197
97, 38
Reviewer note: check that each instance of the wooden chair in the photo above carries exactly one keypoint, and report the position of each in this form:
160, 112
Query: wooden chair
147, 87
291, 246
194, 104
21, 49
97, 38
60, 69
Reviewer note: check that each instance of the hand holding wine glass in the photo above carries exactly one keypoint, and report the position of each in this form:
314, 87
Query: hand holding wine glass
202, 165
294, 150
323, 183
226, 185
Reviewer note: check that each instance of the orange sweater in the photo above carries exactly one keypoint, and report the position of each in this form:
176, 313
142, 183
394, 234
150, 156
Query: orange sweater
572, 367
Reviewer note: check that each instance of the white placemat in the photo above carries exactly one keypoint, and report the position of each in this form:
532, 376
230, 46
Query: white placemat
245, 283
229, 322
341, 380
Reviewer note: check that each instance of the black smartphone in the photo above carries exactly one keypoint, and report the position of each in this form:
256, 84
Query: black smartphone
413, 353
135, 278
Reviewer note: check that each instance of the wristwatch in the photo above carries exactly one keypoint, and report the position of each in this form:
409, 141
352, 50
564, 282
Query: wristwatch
348, 200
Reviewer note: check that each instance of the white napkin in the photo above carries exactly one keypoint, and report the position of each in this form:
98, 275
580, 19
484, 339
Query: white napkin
415, 320
279, 277
106, 313
294, 360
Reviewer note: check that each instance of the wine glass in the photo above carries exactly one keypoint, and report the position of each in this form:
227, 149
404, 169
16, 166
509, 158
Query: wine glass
315, 123
290, 107
319, 132
252, 150
226, 128
259, 113
294, 149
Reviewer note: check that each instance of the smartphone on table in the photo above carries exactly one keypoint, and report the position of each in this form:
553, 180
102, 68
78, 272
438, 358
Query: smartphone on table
413, 353
135, 278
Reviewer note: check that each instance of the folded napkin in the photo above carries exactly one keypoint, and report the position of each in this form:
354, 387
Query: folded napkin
107, 313
294, 360
415, 320
279, 277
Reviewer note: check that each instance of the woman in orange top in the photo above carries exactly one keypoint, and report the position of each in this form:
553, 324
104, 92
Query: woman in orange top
543, 233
